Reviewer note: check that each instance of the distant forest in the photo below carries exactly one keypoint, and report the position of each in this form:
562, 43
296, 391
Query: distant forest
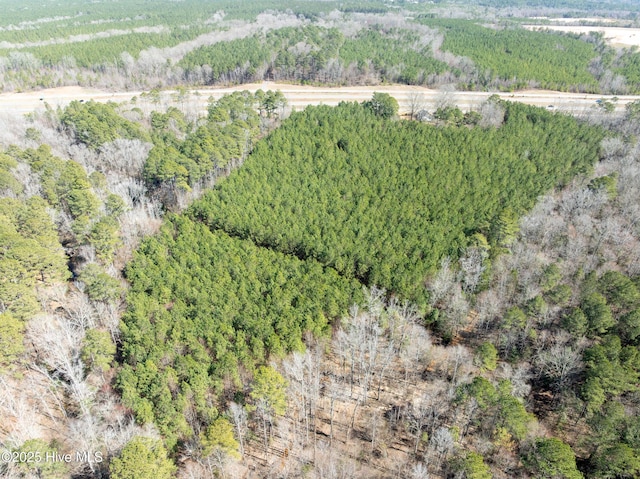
360, 43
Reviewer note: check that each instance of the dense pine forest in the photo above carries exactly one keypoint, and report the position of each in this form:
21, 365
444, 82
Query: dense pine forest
387, 204
237, 287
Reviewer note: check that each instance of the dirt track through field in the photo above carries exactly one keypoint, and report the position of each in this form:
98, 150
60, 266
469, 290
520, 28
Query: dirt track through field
300, 96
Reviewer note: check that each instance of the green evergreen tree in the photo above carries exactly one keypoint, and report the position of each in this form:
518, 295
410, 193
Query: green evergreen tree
98, 350
219, 435
11, 339
104, 237
269, 386
487, 356
552, 459
598, 314
576, 322
142, 458
99, 285
383, 105
472, 466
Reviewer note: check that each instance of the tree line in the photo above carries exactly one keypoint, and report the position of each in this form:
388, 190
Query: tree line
315, 54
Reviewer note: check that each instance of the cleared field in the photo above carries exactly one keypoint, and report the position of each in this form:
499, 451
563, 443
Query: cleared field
615, 36
577, 20
300, 96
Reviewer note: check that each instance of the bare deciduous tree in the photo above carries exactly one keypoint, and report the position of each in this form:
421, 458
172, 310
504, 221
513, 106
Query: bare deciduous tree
414, 352
80, 310
558, 364
471, 268
446, 97
419, 471
442, 283
334, 391
19, 411
124, 157
58, 346
303, 372
238, 416
416, 420
519, 378
492, 114
458, 359
441, 443
488, 306
417, 102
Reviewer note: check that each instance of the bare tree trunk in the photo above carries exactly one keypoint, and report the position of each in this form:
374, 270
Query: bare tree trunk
353, 420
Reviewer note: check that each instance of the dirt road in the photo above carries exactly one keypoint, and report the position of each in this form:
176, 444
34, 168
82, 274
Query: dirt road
300, 96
